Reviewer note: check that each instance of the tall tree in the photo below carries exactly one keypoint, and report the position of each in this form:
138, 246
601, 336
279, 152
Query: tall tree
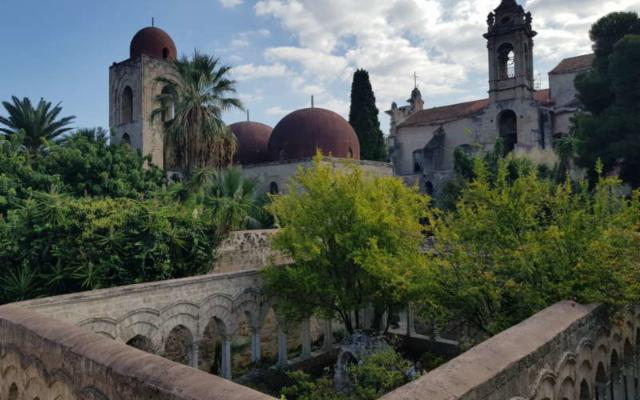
355, 239
609, 130
191, 106
363, 116
38, 124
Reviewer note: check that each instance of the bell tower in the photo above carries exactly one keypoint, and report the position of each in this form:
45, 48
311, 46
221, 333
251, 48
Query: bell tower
510, 46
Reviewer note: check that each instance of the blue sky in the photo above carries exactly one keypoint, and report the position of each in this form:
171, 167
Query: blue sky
282, 50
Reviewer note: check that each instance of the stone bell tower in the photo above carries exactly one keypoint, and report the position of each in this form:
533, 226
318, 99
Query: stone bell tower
133, 89
510, 46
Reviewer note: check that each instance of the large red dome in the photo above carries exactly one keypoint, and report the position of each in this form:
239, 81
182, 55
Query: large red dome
253, 140
301, 133
153, 42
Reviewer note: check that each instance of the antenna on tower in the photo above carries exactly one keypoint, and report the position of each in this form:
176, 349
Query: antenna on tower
415, 80
153, 21
311, 101
248, 119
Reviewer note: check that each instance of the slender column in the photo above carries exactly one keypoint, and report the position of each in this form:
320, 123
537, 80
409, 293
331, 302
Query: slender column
306, 339
194, 357
256, 352
328, 335
410, 321
282, 348
225, 359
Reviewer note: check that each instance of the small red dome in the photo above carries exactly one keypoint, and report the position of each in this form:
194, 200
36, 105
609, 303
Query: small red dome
253, 138
153, 42
301, 133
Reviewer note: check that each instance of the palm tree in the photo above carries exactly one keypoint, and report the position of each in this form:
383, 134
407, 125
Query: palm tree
38, 125
191, 107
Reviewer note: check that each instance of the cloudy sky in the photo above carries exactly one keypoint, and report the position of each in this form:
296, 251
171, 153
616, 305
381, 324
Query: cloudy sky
282, 51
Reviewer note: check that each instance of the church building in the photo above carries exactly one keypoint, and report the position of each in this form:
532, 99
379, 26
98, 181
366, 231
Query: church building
423, 140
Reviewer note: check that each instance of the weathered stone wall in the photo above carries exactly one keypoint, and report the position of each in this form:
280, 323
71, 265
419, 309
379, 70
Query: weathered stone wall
555, 354
46, 359
246, 250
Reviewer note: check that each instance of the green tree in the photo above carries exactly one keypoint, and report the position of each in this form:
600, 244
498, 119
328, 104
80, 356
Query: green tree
354, 238
38, 125
191, 106
514, 247
609, 130
363, 116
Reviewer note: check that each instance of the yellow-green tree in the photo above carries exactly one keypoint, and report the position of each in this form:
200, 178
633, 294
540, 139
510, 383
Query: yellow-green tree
514, 247
355, 240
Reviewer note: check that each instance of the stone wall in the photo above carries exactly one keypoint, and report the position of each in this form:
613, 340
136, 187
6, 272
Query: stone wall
43, 358
567, 351
246, 250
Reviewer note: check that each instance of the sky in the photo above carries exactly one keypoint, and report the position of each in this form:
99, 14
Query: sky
281, 51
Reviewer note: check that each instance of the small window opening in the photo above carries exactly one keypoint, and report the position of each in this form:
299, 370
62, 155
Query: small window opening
417, 161
126, 139
165, 53
273, 188
350, 152
127, 105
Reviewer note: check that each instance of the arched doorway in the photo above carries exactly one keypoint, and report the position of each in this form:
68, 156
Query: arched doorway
584, 390
141, 342
601, 383
615, 382
508, 128
215, 348
178, 345
13, 392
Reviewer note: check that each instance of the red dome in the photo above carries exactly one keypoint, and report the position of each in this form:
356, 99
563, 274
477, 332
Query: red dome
301, 133
253, 138
153, 42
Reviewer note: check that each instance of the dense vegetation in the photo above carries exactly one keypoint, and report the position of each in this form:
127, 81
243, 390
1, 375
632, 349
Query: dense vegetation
355, 239
609, 129
363, 116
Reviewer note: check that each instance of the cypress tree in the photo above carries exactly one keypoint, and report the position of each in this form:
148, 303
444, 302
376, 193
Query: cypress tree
363, 116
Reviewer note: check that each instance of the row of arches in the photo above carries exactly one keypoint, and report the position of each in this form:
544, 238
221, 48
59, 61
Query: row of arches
28, 383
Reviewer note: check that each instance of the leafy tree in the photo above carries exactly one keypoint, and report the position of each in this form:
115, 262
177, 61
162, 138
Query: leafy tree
514, 247
363, 116
39, 125
191, 106
354, 238
609, 130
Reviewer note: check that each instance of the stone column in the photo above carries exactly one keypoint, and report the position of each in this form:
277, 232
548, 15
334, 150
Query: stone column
194, 356
328, 335
256, 352
411, 329
225, 357
282, 348
306, 339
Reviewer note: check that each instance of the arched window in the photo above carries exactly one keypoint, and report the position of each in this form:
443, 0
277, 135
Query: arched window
127, 105
428, 188
273, 188
165, 53
506, 61
601, 382
169, 112
13, 392
126, 139
417, 161
508, 127
584, 390
350, 152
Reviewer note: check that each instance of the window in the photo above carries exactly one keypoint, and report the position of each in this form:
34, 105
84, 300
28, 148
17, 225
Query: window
350, 152
127, 105
508, 127
506, 61
428, 188
417, 161
165, 53
168, 106
126, 139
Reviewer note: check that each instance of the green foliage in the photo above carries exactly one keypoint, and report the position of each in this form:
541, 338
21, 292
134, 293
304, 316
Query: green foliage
38, 125
516, 246
67, 244
363, 116
376, 375
354, 237
609, 130
191, 107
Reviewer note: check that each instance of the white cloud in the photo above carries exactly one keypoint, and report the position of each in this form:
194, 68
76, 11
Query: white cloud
277, 111
230, 3
247, 72
441, 40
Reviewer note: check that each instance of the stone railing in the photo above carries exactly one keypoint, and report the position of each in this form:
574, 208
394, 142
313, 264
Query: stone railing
567, 351
43, 358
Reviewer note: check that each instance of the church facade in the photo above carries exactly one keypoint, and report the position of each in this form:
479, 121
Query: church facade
423, 140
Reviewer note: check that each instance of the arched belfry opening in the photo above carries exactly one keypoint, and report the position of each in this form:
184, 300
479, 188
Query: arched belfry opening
506, 61
127, 105
508, 128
